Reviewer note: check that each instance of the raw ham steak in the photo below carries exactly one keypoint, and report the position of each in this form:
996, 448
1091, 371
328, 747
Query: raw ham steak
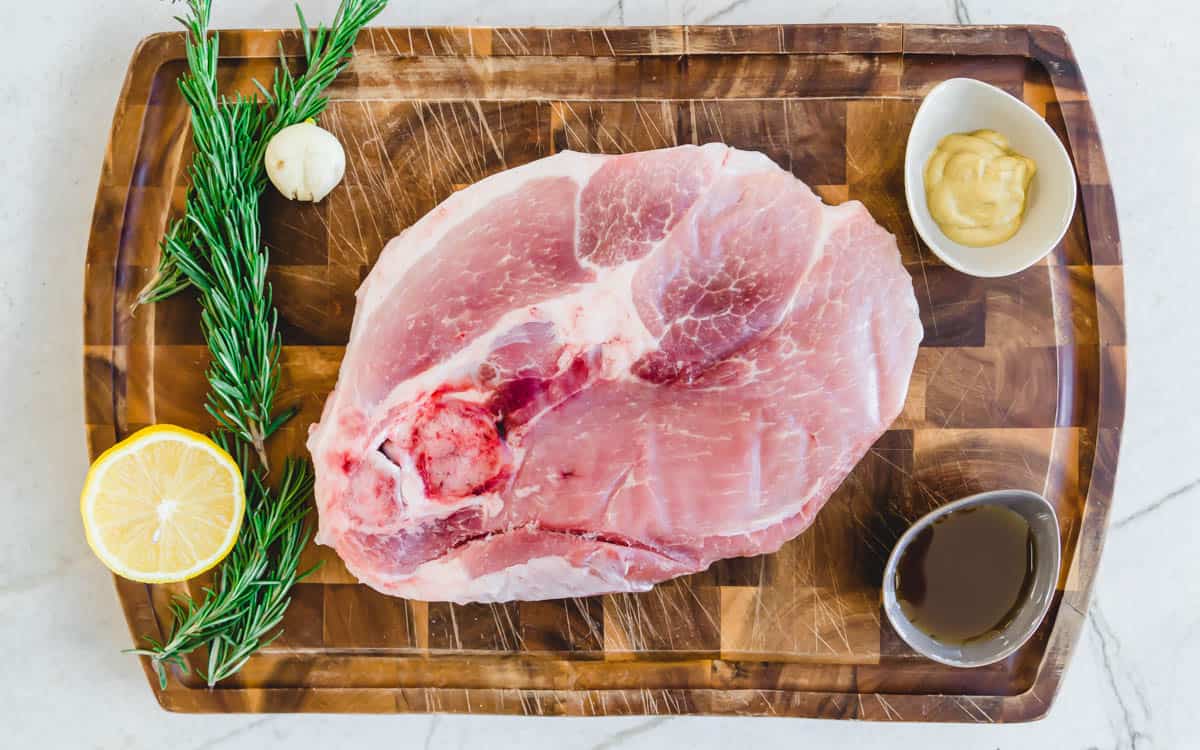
593, 373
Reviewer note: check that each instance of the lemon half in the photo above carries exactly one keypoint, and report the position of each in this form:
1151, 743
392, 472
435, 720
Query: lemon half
163, 505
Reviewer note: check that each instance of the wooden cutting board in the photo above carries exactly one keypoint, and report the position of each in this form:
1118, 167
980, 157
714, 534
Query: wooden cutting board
1019, 382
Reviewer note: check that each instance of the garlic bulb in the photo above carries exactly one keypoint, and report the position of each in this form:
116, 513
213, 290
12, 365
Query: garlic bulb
305, 162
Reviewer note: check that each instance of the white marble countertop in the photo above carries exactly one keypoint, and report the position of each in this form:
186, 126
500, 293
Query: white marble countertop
64, 682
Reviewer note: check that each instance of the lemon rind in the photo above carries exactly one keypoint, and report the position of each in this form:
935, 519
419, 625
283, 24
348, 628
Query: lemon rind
139, 439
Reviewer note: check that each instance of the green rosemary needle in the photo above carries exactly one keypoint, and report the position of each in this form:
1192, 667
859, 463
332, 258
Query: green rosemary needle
216, 249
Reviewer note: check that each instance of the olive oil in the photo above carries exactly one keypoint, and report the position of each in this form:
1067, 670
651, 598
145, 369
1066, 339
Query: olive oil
966, 575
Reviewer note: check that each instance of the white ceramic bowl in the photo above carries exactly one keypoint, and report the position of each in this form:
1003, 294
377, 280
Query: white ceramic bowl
960, 105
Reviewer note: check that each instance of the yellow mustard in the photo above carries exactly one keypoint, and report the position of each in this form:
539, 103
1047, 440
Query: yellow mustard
977, 187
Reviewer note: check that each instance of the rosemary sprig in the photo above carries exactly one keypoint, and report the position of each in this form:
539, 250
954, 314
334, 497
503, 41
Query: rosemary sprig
326, 54
252, 588
216, 248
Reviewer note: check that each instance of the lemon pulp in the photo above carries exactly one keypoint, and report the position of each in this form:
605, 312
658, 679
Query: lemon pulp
164, 505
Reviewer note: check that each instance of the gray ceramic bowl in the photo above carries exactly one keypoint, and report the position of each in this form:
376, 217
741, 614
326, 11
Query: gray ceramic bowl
1044, 523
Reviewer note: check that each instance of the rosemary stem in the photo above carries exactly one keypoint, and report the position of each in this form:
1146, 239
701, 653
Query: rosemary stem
216, 249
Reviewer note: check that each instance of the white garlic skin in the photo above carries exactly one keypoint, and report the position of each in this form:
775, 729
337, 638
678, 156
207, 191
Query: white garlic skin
305, 162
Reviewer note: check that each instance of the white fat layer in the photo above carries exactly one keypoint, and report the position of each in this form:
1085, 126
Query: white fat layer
413, 244
739, 162
600, 314
459, 208
412, 487
535, 580
610, 292
411, 496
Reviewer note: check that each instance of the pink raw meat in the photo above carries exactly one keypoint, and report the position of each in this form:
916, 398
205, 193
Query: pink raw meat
593, 373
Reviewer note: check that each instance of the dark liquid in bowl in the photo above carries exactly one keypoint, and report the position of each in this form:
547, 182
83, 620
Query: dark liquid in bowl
966, 575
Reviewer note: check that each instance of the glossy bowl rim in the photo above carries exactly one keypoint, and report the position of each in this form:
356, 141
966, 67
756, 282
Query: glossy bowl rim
891, 605
935, 242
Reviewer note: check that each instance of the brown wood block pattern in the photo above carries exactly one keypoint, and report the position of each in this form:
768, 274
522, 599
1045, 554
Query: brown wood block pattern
1100, 209
926, 71
315, 303
364, 619
296, 234
954, 308
618, 127
304, 623
681, 615
830, 38
575, 625
475, 627
1074, 249
876, 175
1020, 381
330, 568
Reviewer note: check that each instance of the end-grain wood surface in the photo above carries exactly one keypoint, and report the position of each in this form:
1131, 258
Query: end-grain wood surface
1019, 381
